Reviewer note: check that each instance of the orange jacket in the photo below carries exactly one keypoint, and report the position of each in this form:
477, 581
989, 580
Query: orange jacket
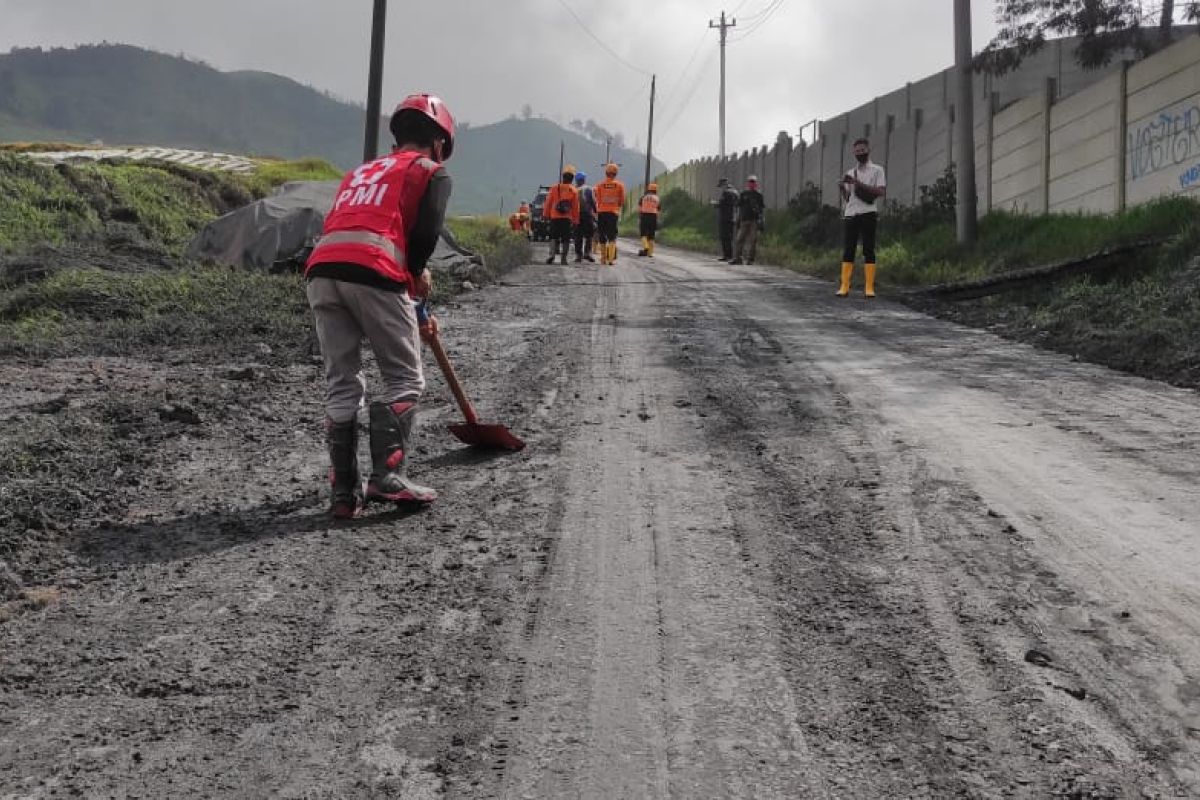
514, 221
649, 204
562, 191
610, 196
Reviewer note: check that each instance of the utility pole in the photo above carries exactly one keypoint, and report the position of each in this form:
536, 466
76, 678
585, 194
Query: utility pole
608, 151
964, 119
562, 154
375, 81
650, 135
723, 26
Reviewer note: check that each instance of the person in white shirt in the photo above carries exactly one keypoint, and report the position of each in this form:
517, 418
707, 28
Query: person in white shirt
861, 187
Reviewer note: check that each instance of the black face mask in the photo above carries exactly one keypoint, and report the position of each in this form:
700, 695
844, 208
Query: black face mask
862, 159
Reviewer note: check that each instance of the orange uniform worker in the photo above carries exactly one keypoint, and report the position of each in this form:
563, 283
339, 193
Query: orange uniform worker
514, 221
523, 213
610, 198
562, 209
648, 209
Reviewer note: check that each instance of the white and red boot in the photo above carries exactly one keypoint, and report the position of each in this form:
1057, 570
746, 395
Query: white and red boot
391, 437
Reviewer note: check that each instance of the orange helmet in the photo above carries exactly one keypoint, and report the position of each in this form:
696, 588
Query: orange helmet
610, 170
652, 188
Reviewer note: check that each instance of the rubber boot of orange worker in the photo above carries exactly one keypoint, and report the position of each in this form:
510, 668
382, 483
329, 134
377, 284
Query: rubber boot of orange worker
869, 291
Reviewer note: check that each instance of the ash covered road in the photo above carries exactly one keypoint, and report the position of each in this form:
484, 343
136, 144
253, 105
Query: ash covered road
763, 543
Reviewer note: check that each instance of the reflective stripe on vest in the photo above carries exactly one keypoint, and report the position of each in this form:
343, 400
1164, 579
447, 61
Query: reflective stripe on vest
363, 237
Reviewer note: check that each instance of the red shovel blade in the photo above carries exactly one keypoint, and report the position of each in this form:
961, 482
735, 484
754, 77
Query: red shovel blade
496, 437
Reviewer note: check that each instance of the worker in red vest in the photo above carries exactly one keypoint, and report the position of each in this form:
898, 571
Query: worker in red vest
365, 276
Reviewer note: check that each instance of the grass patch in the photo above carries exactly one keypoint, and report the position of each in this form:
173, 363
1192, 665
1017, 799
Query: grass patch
502, 248
94, 260
1139, 316
272, 174
161, 204
101, 312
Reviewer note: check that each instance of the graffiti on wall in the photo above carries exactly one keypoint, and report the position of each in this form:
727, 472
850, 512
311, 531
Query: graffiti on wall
1167, 140
1190, 178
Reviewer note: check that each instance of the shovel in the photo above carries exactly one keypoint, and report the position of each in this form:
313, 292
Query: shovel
470, 432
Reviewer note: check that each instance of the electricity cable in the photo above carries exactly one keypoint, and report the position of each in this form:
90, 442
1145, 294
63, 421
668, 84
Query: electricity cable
600, 41
768, 12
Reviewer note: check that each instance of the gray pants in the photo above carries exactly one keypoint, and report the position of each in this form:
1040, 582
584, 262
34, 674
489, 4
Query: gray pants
345, 313
747, 241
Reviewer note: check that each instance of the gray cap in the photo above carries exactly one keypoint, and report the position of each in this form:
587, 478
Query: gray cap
723, 182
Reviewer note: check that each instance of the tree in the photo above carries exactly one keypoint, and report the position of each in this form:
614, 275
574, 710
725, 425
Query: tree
1107, 29
526, 111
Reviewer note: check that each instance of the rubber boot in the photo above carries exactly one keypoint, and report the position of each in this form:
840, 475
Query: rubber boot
650, 248
391, 436
847, 271
645, 251
612, 253
345, 482
869, 291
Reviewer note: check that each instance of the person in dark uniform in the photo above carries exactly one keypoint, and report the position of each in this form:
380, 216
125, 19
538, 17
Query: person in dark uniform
726, 205
752, 210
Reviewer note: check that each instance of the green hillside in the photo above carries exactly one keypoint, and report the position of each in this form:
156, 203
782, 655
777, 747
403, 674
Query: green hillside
126, 95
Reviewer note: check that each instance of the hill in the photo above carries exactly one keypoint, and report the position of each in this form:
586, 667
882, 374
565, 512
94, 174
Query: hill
510, 159
127, 95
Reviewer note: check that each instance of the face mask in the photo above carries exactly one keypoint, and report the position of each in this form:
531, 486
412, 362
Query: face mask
862, 159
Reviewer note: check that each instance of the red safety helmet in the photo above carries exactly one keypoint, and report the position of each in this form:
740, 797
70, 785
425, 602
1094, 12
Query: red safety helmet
435, 109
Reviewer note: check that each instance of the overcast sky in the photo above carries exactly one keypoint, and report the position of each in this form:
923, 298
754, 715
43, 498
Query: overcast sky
789, 61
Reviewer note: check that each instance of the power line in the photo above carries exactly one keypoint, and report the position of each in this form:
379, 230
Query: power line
683, 104
768, 12
683, 74
600, 41
757, 14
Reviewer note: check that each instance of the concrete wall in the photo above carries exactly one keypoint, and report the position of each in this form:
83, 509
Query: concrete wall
933, 148
1085, 149
1048, 137
1019, 134
1163, 124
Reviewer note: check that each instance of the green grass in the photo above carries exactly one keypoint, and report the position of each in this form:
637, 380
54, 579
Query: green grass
165, 203
98, 311
272, 174
930, 254
1140, 316
490, 237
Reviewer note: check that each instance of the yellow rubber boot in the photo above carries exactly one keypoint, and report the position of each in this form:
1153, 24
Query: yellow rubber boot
869, 291
847, 271
612, 253
650, 247
645, 246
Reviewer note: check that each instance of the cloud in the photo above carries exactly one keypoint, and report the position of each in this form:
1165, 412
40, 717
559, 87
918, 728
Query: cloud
811, 58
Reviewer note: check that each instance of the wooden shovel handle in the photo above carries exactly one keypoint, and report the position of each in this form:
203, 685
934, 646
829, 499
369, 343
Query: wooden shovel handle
435, 344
